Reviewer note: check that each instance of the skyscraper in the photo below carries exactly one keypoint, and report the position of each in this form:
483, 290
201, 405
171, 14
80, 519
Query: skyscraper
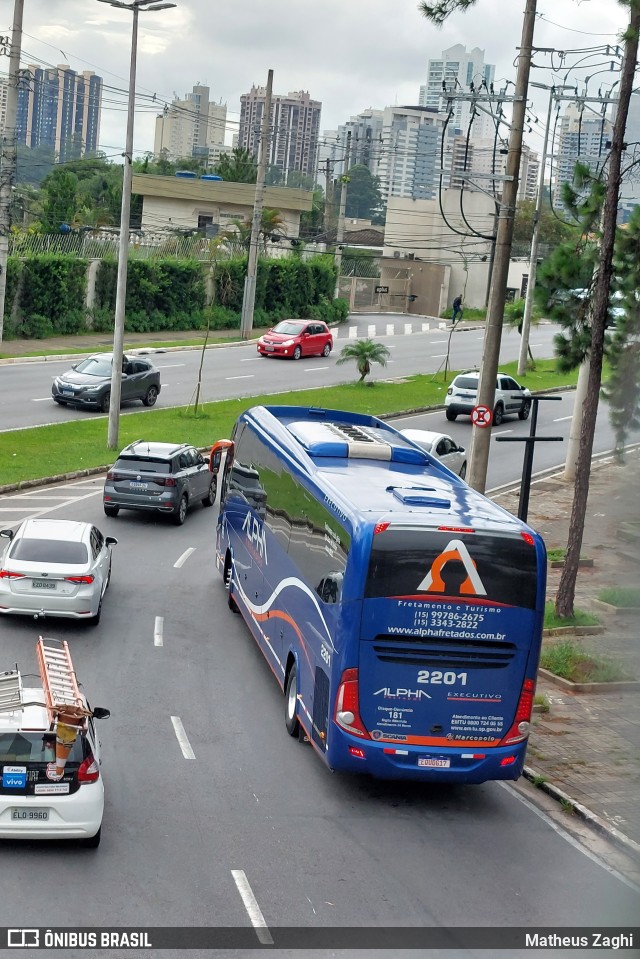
583, 137
410, 152
457, 70
191, 127
294, 129
59, 108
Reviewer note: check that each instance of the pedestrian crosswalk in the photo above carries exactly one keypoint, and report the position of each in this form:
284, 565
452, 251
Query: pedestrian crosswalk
375, 330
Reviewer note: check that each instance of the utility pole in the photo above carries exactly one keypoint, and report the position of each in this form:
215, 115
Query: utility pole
9, 152
125, 214
343, 206
249, 298
533, 259
481, 438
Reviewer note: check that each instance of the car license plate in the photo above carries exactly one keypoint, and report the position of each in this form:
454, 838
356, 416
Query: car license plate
30, 815
43, 584
67, 392
138, 486
269, 347
438, 763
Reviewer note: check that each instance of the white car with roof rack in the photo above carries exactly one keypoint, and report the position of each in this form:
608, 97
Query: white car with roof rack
50, 786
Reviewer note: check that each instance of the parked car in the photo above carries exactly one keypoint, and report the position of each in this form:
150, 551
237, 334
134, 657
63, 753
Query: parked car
161, 477
510, 397
296, 338
442, 447
55, 567
88, 384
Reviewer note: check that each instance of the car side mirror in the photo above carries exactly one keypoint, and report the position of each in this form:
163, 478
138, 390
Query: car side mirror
111, 541
7, 533
75, 366
101, 713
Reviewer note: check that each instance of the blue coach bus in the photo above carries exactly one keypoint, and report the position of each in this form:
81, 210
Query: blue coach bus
400, 610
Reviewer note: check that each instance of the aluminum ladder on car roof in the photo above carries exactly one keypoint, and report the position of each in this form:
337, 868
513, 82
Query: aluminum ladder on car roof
10, 691
59, 681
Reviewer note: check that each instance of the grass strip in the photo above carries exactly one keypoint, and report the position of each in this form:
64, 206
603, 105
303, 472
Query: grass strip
568, 661
82, 443
579, 618
623, 596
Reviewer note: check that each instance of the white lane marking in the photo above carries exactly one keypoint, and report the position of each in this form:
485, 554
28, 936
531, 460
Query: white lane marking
171, 366
371, 330
52, 509
157, 631
437, 356
565, 835
408, 329
246, 376
313, 369
40, 495
250, 359
425, 327
503, 432
185, 556
563, 418
251, 905
181, 736
437, 342
390, 329
353, 331
40, 399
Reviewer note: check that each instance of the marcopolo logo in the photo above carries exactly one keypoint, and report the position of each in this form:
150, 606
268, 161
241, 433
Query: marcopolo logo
400, 693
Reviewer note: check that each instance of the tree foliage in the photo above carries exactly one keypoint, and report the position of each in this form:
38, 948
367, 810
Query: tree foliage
363, 193
439, 10
552, 231
239, 166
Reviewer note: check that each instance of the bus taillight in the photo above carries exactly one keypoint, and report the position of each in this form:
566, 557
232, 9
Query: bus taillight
347, 714
522, 721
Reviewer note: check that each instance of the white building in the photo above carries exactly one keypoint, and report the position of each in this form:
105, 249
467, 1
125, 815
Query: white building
409, 154
456, 71
192, 127
295, 129
475, 163
583, 137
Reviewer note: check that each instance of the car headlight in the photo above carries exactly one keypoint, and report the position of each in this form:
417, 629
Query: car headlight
91, 389
288, 342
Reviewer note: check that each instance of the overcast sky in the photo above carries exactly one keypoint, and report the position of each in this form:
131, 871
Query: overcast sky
349, 54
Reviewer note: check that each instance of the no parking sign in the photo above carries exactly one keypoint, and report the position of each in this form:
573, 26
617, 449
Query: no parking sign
481, 416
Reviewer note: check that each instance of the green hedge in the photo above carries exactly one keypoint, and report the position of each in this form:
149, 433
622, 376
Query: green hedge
165, 294
14, 272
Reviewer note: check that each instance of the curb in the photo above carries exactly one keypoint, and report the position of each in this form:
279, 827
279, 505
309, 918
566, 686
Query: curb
134, 351
619, 838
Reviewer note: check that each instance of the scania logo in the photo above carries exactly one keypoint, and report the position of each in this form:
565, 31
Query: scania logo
400, 693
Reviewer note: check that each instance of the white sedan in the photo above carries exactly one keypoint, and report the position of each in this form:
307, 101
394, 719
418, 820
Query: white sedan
442, 447
55, 567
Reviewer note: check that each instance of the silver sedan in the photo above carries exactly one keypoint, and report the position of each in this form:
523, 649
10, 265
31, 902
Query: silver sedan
55, 567
442, 447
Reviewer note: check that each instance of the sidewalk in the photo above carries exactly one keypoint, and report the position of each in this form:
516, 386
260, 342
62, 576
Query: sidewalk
587, 746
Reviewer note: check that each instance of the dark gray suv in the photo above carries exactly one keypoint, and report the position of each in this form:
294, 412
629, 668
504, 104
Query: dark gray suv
164, 477
88, 384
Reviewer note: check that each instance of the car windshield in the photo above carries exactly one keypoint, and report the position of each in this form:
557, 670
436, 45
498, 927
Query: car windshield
467, 382
95, 366
289, 327
34, 747
49, 551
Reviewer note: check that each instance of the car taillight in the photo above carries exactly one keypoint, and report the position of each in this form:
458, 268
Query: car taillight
522, 721
114, 476
88, 770
7, 574
79, 579
347, 712
170, 481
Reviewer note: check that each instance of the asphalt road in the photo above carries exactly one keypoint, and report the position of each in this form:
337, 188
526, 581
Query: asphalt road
236, 808
238, 371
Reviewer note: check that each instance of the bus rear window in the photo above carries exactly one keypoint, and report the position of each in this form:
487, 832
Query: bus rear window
431, 564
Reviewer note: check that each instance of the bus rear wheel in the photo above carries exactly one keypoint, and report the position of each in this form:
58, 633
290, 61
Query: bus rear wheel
291, 702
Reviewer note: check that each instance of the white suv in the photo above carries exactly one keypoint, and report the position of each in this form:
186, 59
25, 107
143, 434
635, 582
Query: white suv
510, 397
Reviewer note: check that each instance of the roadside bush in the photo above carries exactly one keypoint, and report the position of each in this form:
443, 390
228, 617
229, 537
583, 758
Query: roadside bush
100, 319
14, 273
53, 286
35, 327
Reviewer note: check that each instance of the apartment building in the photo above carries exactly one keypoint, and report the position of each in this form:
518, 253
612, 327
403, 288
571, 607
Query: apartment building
583, 137
192, 127
409, 154
59, 108
474, 163
456, 70
294, 129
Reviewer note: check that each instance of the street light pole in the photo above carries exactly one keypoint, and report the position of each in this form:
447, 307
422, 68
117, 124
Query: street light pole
125, 213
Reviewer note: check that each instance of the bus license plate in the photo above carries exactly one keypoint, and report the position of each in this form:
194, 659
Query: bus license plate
439, 763
30, 815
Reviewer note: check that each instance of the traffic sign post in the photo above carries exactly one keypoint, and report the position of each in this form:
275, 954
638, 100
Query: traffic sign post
529, 441
481, 416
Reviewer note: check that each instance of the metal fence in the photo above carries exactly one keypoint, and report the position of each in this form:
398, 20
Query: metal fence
93, 246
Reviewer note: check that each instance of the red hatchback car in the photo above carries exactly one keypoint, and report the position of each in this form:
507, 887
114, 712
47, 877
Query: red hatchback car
296, 338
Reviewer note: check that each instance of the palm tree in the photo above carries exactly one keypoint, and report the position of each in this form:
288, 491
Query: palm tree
364, 352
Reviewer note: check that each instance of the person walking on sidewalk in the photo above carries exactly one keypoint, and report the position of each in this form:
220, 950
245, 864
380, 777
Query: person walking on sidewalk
457, 308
